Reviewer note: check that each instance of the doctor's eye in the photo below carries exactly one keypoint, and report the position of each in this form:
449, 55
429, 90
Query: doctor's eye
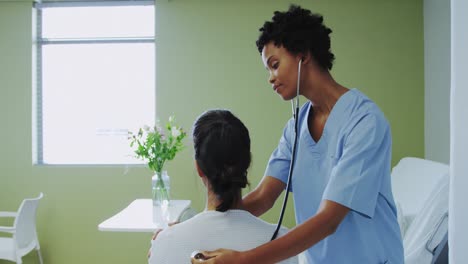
275, 65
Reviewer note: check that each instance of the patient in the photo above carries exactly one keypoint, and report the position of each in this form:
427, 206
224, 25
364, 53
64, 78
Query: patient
222, 158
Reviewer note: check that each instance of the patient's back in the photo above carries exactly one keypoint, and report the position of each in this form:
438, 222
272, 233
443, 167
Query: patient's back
234, 229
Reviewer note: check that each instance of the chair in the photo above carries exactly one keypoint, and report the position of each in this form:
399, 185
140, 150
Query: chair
24, 238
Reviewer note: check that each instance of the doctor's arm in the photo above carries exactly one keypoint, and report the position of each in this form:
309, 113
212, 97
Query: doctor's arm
303, 236
264, 196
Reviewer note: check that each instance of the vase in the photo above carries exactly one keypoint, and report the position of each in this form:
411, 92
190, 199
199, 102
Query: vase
160, 185
161, 199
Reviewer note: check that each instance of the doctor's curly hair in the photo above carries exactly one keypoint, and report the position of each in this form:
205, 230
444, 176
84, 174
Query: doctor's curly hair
299, 31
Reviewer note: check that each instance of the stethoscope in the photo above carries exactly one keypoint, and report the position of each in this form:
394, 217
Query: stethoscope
295, 113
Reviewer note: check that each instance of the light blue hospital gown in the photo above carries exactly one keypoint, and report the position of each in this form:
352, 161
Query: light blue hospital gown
350, 165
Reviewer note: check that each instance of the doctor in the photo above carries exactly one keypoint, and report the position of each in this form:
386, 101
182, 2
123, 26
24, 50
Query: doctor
343, 200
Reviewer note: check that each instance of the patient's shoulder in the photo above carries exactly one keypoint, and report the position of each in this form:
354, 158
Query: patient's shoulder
197, 223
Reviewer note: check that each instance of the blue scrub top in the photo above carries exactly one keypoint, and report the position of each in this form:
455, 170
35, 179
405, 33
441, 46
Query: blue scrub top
349, 165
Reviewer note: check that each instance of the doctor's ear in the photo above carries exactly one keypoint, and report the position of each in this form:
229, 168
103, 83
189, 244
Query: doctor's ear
305, 58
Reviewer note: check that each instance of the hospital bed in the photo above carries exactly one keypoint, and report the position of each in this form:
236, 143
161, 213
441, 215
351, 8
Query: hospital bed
421, 192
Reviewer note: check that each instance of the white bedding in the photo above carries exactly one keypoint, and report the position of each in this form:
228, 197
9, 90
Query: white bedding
421, 191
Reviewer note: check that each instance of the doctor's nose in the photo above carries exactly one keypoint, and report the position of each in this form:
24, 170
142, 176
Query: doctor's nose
272, 78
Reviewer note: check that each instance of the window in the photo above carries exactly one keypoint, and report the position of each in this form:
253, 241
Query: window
95, 80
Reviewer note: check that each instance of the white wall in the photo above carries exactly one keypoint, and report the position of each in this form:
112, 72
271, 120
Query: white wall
446, 61
437, 80
458, 230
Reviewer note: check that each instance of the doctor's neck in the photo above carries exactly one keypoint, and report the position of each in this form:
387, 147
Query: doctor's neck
322, 90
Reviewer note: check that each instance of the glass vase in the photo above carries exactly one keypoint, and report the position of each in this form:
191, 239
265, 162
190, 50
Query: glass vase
161, 187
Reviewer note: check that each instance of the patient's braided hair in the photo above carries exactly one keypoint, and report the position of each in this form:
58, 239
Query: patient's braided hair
222, 151
299, 31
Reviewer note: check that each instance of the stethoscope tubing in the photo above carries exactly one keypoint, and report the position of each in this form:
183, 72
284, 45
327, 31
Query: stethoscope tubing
295, 111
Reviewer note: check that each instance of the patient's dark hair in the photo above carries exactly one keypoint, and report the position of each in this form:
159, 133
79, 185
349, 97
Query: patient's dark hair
222, 151
299, 31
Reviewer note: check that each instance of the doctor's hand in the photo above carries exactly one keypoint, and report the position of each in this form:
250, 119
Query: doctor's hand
219, 256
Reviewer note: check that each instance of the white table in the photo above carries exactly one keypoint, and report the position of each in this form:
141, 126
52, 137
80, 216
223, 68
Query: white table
139, 215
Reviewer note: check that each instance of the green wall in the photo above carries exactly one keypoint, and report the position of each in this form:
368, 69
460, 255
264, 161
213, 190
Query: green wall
206, 58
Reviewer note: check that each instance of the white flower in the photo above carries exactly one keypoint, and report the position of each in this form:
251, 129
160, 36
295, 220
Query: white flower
146, 128
175, 132
171, 119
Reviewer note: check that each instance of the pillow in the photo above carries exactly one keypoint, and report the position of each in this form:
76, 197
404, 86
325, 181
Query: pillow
413, 179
